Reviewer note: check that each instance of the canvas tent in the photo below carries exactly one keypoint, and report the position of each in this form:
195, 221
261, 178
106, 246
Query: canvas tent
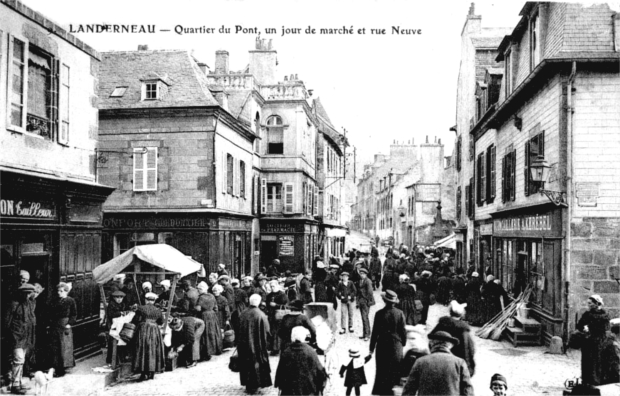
447, 242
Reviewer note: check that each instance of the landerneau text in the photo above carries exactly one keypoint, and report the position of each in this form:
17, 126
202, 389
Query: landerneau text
100, 28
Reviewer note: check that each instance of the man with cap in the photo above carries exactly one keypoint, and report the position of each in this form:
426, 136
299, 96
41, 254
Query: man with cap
186, 334
221, 270
460, 330
425, 286
365, 299
116, 308
440, 373
305, 288
20, 321
261, 286
346, 294
274, 268
499, 385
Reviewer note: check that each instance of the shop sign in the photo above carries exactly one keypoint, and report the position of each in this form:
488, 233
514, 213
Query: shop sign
268, 238
536, 225
486, 229
234, 224
281, 228
287, 247
29, 209
153, 222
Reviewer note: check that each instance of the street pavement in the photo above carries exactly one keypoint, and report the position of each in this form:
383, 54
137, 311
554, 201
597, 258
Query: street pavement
529, 370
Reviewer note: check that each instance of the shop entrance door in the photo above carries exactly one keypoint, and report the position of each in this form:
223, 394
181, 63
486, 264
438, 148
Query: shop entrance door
269, 252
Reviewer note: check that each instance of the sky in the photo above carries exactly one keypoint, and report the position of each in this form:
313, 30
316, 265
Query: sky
379, 87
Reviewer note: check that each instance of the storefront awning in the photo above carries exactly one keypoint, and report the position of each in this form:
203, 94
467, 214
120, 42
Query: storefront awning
447, 242
335, 233
159, 255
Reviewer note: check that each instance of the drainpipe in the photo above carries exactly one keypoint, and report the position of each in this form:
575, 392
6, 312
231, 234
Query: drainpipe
569, 198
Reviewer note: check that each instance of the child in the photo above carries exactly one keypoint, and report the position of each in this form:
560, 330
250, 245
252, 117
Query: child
356, 376
346, 294
499, 386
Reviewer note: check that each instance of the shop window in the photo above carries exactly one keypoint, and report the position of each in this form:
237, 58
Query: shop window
533, 148
33, 79
274, 202
508, 176
145, 169
275, 135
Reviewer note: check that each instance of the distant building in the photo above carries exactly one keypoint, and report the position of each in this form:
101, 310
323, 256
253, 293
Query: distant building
50, 203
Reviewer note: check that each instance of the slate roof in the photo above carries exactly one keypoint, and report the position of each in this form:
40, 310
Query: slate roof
320, 110
186, 84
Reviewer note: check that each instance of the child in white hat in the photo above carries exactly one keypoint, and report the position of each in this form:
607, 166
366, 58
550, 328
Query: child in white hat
356, 377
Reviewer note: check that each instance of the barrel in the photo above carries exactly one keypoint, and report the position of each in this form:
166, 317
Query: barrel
127, 332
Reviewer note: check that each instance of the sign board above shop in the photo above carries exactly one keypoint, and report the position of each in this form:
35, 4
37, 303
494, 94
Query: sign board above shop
23, 208
534, 225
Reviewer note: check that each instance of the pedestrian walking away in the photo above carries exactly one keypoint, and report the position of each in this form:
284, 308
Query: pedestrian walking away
460, 330
255, 371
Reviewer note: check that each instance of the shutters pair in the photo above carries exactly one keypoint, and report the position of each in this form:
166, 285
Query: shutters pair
233, 176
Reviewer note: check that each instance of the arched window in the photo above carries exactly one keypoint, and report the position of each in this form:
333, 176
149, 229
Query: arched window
275, 135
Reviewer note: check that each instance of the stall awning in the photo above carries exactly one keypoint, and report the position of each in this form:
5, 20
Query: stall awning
160, 255
448, 242
335, 233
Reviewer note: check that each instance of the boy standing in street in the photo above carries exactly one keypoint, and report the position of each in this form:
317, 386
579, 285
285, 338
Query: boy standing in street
346, 294
365, 299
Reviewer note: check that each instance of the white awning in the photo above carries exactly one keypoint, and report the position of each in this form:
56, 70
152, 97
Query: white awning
335, 232
448, 242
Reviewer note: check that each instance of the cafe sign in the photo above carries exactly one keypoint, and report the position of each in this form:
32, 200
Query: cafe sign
530, 225
27, 209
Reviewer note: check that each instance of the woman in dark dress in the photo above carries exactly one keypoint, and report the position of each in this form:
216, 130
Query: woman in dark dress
406, 293
148, 345
276, 300
223, 310
320, 288
211, 342
63, 313
388, 337
475, 306
595, 324
293, 319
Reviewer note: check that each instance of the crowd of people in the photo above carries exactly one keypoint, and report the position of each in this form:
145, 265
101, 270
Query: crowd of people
263, 315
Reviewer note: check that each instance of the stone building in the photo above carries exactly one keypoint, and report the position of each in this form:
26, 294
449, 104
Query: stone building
180, 159
557, 110
50, 202
478, 52
284, 158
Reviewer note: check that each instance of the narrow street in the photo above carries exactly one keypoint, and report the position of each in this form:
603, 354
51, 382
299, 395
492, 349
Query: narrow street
529, 370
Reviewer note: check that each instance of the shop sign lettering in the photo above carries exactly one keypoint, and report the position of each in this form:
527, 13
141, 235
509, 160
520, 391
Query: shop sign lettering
286, 245
156, 223
279, 228
529, 223
10, 207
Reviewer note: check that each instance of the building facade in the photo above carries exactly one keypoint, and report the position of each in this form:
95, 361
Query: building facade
180, 161
558, 103
50, 203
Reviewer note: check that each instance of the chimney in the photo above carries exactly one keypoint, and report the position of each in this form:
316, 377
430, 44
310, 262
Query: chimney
203, 67
426, 139
221, 62
263, 62
143, 47
472, 9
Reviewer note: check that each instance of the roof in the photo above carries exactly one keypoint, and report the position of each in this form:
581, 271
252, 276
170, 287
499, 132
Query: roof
486, 42
495, 71
320, 111
186, 84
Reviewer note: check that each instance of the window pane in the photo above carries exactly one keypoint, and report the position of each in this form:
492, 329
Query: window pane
16, 115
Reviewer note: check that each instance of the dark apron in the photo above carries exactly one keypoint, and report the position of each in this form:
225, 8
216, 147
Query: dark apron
62, 344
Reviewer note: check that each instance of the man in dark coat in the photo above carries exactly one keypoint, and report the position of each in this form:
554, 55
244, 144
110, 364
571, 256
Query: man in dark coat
460, 330
305, 288
186, 334
365, 299
20, 322
255, 371
440, 373
388, 337
375, 271
425, 287
228, 291
300, 371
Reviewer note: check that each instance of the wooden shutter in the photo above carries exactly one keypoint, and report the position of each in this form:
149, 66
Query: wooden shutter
151, 169
138, 170
63, 130
458, 204
304, 197
513, 167
224, 173
17, 104
288, 197
263, 196
471, 198
504, 195
492, 181
526, 168
310, 195
316, 201
479, 180
467, 194
254, 194
483, 178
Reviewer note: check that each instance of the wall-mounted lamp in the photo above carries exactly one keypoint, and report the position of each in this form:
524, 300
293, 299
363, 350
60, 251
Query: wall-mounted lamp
518, 122
540, 172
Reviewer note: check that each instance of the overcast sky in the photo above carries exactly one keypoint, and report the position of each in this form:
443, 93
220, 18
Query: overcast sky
380, 88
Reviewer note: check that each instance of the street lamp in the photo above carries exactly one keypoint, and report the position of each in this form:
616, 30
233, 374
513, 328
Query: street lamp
540, 172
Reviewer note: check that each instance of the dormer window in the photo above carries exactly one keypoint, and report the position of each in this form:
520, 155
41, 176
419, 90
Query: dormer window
150, 90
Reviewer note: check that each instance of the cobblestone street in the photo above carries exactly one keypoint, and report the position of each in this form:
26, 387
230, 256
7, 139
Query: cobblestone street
529, 370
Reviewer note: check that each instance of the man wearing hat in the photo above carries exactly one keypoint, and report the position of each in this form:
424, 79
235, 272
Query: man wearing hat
296, 317
221, 270
499, 385
228, 291
186, 334
365, 299
116, 308
346, 294
440, 373
460, 330
331, 283
21, 324
305, 288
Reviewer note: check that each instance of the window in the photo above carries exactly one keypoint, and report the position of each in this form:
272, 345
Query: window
275, 134
64, 105
33, 103
490, 172
533, 148
467, 198
535, 50
118, 92
458, 203
508, 72
151, 90
145, 169
480, 180
458, 153
242, 179
257, 131
274, 197
471, 148
508, 175
230, 164
289, 203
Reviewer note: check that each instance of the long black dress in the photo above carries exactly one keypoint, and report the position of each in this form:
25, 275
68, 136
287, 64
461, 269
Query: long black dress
474, 314
211, 342
388, 337
300, 371
406, 294
592, 365
148, 345
255, 371
63, 311
280, 300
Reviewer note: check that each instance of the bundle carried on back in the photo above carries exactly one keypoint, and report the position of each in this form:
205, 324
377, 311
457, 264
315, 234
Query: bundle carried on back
494, 328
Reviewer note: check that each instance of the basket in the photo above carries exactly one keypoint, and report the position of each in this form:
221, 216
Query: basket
229, 336
127, 332
233, 365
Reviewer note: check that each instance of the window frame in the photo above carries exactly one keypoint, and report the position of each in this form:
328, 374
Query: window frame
274, 190
242, 193
230, 177
145, 169
535, 41
64, 104
508, 72
145, 90
271, 130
